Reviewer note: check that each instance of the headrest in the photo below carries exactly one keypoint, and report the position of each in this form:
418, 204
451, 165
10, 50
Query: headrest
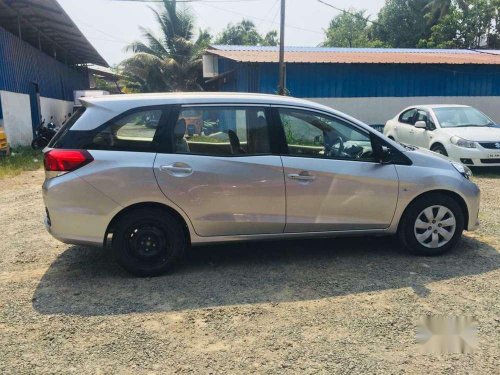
180, 129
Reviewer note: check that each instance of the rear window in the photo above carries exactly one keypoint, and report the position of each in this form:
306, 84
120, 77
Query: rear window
134, 130
61, 134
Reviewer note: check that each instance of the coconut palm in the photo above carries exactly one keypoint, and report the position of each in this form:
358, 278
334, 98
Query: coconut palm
437, 9
171, 62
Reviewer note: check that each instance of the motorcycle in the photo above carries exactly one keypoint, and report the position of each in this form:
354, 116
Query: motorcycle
43, 135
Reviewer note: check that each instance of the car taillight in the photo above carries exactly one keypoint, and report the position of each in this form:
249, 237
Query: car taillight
57, 160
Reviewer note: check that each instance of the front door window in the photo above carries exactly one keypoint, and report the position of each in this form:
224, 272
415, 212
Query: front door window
312, 135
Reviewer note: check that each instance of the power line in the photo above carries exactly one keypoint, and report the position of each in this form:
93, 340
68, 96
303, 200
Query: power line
350, 13
269, 11
189, 1
260, 18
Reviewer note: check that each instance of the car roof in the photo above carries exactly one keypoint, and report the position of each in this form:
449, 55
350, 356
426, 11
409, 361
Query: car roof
139, 100
433, 106
113, 105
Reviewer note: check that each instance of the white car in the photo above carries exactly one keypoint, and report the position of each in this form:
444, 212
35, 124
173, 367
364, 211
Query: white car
460, 132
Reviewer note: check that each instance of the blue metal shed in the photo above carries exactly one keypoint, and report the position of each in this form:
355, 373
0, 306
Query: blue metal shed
43, 60
359, 81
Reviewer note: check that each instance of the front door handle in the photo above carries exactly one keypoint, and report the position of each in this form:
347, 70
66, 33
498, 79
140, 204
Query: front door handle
177, 169
302, 176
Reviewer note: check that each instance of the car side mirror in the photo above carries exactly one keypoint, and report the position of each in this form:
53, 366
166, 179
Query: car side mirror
421, 125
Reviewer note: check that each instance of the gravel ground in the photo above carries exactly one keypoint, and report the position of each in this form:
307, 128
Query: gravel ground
322, 306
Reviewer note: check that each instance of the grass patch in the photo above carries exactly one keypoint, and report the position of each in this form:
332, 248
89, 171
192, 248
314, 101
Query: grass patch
21, 159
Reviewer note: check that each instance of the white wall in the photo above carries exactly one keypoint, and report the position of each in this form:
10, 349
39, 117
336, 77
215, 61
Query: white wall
17, 118
379, 110
56, 108
17, 115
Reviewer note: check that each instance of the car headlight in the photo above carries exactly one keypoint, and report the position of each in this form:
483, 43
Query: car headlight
462, 169
462, 142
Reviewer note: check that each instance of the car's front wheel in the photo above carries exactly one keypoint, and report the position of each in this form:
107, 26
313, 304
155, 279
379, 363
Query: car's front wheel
431, 225
148, 241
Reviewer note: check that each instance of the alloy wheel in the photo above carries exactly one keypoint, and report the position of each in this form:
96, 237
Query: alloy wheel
435, 226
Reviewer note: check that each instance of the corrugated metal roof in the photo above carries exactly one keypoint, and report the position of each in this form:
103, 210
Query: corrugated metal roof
355, 55
46, 26
22, 65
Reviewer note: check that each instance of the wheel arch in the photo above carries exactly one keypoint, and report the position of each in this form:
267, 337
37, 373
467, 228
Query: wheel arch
143, 205
437, 143
455, 196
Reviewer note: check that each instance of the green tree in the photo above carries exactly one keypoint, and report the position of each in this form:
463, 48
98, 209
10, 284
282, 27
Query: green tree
270, 39
245, 33
348, 29
438, 9
494, 36
170, 62
401, 23
472, 26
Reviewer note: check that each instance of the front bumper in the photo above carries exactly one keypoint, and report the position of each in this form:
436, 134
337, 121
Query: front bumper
473, 204
475, 157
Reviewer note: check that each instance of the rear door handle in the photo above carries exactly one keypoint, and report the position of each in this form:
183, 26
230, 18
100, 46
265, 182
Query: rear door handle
302, 176
177, 169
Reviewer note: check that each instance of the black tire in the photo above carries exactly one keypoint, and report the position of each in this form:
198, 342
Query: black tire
439, 149
38, 144
407, 232
148, 241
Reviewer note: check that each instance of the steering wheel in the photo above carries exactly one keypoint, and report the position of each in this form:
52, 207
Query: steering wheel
337, 147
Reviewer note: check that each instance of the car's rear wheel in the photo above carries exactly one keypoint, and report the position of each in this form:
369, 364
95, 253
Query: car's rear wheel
431, 225
147, 242
439, 149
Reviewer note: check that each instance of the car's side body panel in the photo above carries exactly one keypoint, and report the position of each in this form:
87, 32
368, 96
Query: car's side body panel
226, 195
340, 196
77, 212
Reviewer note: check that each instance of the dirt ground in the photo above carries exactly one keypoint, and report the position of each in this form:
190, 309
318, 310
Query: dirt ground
324, 306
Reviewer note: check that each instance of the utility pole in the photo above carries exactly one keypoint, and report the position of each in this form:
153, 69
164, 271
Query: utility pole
281, 87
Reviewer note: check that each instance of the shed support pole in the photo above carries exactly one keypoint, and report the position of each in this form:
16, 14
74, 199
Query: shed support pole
281, 87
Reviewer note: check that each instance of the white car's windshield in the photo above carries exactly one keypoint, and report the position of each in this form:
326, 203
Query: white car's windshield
455, 117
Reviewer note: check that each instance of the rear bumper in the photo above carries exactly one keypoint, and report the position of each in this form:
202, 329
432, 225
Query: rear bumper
72, 239
77, 213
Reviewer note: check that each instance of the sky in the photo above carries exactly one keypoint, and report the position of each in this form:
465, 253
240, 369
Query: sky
110, 25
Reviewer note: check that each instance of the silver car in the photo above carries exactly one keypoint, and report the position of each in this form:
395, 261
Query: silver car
127, 171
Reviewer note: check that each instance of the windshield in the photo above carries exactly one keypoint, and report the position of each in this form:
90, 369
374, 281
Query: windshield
456, 117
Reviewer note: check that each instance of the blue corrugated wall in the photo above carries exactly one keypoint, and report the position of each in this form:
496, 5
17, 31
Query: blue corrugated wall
364, 80
21, 64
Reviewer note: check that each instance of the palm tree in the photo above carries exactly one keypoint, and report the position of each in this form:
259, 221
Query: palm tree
171, 62
437, 9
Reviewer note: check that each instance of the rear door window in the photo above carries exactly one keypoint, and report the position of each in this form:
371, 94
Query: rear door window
221, 131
